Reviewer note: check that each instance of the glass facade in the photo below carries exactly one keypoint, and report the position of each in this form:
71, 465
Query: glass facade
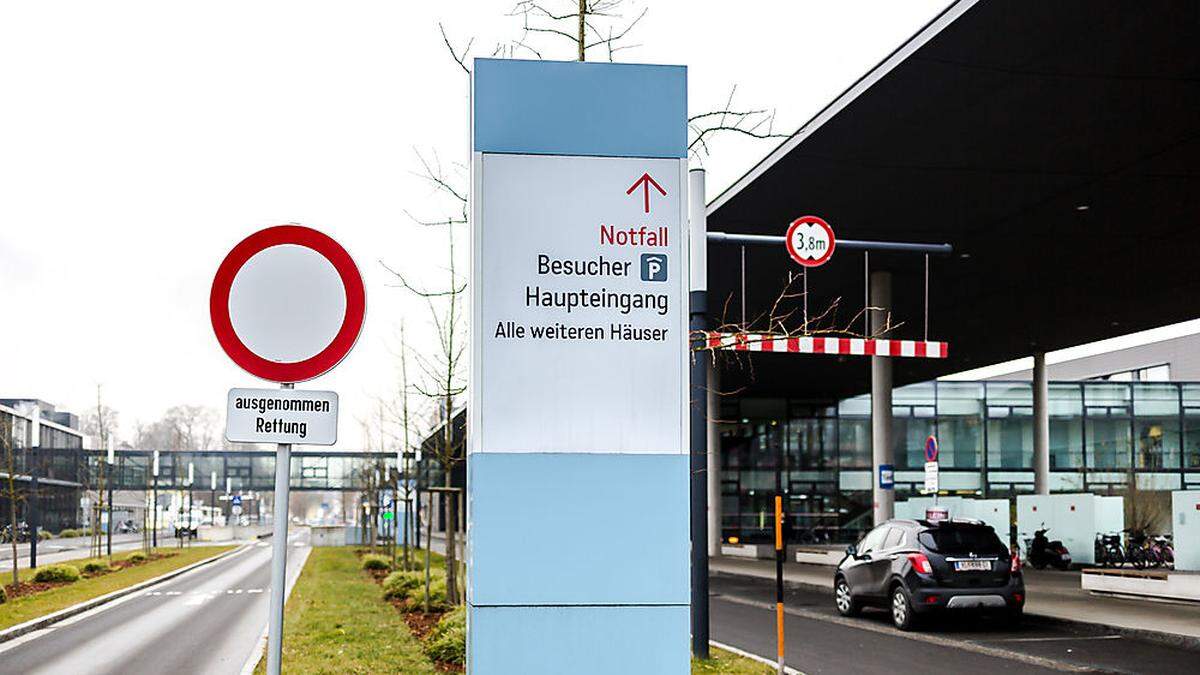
819, 456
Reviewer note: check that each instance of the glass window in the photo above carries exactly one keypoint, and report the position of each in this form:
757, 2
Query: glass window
959, 424
1156, 430
854, 433
1108, 428
894, 538
963, 540
873, 540
914, 419
1010, 425
1066, 426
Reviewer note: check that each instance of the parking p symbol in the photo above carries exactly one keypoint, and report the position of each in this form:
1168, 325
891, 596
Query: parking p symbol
654, 267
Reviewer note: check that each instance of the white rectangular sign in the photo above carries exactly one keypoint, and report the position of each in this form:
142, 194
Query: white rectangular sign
281, 416
582, 310
931, 477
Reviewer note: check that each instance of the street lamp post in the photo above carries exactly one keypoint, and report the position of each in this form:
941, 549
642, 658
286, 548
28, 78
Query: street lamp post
35, 433
112, 475
190, 504
212, 487
154, 483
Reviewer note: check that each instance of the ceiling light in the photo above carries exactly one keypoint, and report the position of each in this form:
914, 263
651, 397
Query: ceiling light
1082, 207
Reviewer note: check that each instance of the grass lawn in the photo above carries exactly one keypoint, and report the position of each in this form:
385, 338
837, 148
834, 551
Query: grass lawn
22, 609
337, 622
725, 663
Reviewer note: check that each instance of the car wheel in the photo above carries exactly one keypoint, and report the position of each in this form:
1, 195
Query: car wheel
844, 599
1012, 617
902, 612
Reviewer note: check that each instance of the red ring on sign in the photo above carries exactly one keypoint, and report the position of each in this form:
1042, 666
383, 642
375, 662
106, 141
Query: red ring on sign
335, 351
810, 220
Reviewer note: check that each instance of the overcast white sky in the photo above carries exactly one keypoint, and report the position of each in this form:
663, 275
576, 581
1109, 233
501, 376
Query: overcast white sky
139, 141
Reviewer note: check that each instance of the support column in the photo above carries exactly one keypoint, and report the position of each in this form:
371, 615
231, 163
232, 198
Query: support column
881, 400
1041, 426
714, 462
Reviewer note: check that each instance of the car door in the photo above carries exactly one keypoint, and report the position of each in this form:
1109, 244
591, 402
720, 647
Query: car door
858, 570
880, 568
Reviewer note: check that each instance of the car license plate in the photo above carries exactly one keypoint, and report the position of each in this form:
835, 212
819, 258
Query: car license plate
972, 566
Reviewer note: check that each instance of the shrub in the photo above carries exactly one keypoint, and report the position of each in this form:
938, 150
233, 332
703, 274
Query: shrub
447, 642
95, 568
437, 596
136, 557
56, 573
44, 535
398, 585
376, 562
3, 595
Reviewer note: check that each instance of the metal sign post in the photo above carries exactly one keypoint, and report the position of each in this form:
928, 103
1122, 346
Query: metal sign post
283, 470
315, 280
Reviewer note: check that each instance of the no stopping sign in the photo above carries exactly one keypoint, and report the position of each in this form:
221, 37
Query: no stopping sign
287, 303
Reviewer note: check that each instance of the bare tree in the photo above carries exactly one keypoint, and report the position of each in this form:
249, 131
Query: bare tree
585, 26
100, 424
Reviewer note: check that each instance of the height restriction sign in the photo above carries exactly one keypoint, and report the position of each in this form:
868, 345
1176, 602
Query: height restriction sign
810, 241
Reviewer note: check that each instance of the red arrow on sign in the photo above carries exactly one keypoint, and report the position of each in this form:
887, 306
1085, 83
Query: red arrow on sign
646, 181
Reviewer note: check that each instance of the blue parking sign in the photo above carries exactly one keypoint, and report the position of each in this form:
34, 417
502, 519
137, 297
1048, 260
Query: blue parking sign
887, 477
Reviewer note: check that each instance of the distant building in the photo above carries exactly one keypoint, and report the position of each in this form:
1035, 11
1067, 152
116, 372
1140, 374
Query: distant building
58, 459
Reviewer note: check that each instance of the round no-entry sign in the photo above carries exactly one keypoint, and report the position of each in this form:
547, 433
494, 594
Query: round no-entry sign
287, 303
810, 241
931, 449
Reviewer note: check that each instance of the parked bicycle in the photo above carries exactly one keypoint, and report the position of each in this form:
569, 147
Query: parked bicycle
1108, 550
1135, 549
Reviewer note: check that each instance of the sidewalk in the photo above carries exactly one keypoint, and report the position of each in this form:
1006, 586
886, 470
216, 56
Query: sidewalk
1052, 594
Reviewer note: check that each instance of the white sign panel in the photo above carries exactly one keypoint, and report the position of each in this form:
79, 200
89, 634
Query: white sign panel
583, 305
931, 477
281, 416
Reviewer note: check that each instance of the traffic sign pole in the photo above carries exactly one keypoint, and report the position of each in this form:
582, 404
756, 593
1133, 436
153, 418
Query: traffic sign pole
249, 286
283, 470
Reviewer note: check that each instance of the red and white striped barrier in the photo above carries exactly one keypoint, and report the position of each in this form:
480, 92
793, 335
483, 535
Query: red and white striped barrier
752, 342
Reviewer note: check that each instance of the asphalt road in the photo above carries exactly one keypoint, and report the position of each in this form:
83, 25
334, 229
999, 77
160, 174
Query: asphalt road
818, 640
205, 621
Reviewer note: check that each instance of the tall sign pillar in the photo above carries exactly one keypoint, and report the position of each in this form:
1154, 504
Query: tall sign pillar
578, 429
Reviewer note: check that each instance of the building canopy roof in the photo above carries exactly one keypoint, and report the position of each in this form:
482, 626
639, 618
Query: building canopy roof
1055, 145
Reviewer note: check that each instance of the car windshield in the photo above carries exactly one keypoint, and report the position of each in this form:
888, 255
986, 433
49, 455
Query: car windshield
957, 540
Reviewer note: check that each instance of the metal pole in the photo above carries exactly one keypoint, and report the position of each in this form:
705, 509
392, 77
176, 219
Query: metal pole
154, 542
35, 440
779, 667
698, 400
32, 500
283, 470
112, 465
842, 244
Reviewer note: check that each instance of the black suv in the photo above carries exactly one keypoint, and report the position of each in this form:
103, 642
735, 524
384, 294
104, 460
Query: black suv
915, 567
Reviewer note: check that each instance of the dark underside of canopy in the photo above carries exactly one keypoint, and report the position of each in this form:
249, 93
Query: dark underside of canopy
1055, 145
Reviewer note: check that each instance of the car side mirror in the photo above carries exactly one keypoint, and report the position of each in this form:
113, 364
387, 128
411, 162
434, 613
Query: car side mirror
852, 551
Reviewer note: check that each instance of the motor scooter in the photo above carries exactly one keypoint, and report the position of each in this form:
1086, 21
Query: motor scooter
1043, 552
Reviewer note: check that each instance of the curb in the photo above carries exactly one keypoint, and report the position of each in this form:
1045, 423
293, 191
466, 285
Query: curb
68, 612
1160, 637
754, 657
260, 647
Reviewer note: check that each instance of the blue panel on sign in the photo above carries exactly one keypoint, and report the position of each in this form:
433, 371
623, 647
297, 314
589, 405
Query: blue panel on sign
573, 108
576, 528
579, 640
